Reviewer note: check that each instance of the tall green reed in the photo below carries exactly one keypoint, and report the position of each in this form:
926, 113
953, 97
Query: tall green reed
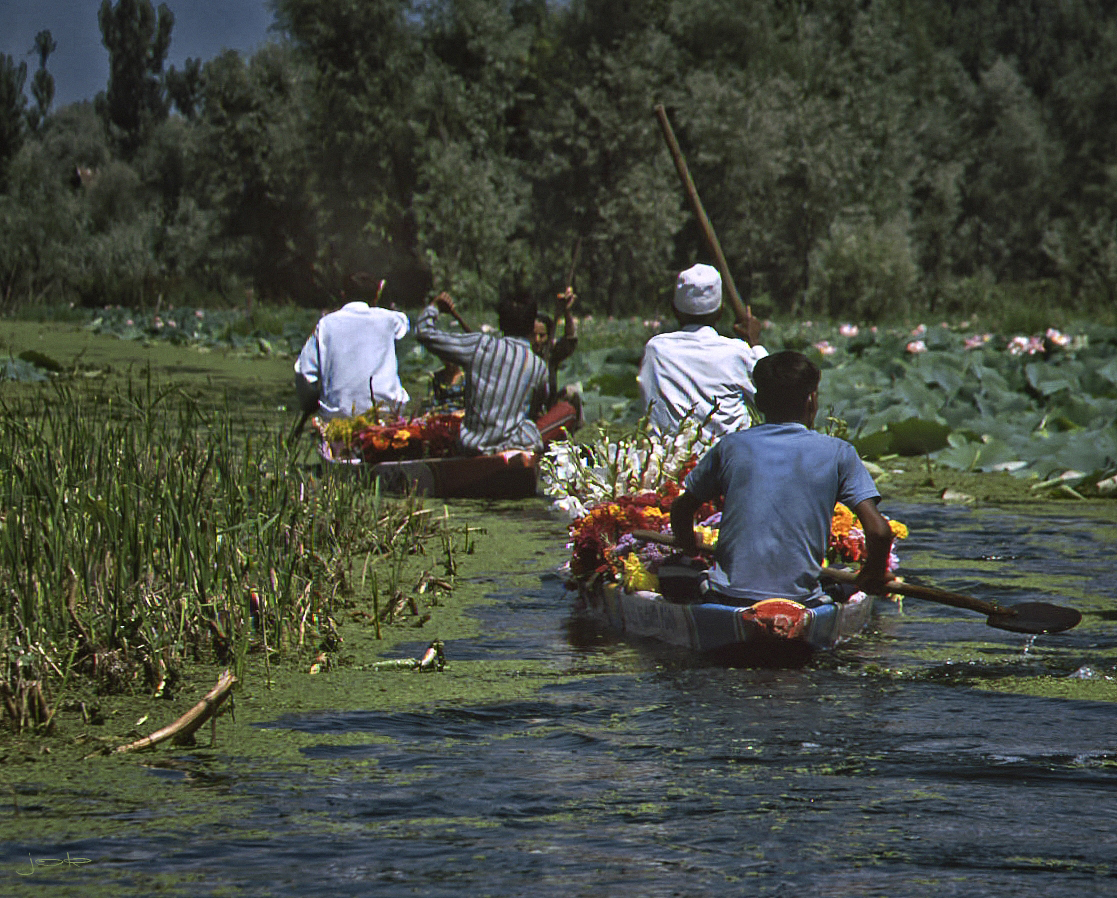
139, 528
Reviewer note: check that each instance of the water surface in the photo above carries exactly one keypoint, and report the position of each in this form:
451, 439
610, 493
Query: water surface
899, 765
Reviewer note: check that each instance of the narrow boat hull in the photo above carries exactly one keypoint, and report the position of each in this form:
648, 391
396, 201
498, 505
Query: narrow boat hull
509, 475
773, 631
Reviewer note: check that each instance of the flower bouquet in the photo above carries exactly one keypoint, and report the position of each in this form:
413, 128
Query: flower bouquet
626, 482
602, 542
368, 439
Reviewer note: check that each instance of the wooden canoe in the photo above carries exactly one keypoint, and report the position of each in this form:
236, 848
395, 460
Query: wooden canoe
770, 632
507, 475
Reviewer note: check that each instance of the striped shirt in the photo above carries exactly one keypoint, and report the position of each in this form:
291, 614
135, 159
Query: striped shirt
505, 385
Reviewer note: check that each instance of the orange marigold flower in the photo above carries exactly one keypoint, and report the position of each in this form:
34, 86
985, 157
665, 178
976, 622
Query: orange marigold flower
842, 521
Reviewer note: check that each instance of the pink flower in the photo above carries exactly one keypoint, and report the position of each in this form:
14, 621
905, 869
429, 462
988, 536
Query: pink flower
916, 346
978, 340
198, 313
919, 331
1057, 337
848, 330
824, 347
1025, 345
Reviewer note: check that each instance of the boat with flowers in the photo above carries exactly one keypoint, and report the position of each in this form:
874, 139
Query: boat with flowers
415, 456
620, 566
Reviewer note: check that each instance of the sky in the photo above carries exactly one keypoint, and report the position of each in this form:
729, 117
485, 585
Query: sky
80, 65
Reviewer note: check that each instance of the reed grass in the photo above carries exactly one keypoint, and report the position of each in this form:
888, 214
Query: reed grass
140, 528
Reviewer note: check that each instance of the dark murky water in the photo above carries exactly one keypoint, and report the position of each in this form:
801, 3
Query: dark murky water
878, 771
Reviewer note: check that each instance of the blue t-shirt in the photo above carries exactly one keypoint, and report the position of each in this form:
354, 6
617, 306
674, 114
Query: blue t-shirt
780, 483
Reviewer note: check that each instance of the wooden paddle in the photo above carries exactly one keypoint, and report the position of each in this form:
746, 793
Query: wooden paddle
740, 309
1023, 617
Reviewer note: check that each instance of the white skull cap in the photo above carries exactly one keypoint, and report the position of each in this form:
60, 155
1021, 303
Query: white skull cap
698, 290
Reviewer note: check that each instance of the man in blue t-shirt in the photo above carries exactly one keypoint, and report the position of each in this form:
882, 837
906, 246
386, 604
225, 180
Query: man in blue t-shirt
780, 481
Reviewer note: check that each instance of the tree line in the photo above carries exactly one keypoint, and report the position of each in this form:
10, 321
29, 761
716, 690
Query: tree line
863, 159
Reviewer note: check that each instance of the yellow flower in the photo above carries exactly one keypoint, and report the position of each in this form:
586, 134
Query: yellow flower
636, 576
707, 536
900, 531
842, 522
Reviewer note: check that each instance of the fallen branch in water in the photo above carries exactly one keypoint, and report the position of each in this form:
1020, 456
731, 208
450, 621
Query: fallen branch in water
184, 728
433, 659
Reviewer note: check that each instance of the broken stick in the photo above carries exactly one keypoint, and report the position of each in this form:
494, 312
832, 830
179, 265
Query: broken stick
185, 727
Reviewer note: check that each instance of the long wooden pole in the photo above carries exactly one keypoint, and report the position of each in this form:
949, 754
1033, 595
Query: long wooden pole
573, 263
740, 309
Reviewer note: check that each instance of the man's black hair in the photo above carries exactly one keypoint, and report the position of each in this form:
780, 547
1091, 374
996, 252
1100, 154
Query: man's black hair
516, 314
548, 322
784, 381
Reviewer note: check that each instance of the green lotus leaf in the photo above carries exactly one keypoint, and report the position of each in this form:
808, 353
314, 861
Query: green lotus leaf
1082, 411
983, 455
21, 371
918, 436
1046, 380
628, 355
875, 445
940, 370
1100, 380
41, 360
615, 380
962, 456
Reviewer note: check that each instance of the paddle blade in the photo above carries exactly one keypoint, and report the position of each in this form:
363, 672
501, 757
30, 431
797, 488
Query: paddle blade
1034, 617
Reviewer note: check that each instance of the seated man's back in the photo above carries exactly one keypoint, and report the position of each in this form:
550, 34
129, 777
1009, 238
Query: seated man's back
349, 363
695, 372
505, 381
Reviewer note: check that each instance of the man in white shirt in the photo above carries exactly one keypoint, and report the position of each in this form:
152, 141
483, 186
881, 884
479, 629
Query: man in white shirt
695, 371
349, 364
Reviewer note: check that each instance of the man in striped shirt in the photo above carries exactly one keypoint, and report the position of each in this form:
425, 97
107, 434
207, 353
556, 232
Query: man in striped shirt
505, 381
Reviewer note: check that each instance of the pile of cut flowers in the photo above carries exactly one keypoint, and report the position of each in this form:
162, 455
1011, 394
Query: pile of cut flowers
618, 485
371, 439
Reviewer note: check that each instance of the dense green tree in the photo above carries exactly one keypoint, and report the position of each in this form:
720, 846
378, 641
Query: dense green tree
250, 168
42, 83
362, 56
138, 38
858, 158
184, 88
12, 105
42, 216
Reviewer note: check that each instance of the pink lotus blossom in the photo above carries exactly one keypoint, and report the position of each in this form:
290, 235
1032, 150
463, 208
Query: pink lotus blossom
978, 340
919, 331
825, 348
1025, 345
848, 330
916, 346
1057, 337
